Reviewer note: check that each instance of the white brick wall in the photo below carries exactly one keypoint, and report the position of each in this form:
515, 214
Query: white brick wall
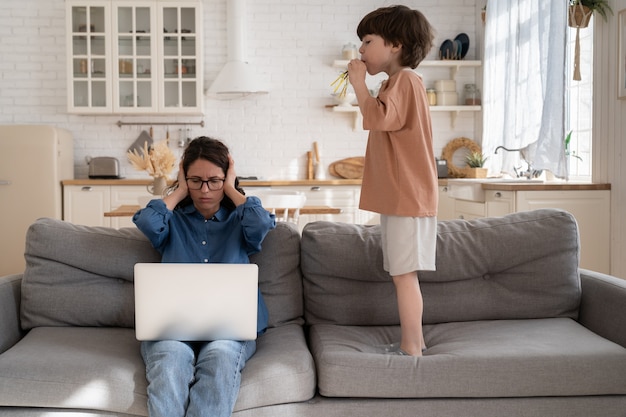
293, 43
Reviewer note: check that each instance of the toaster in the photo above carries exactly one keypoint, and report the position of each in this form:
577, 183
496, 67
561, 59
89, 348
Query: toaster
442, 168
104, 167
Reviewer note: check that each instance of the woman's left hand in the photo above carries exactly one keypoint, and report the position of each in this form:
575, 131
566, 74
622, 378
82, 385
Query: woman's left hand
230, 174
229, 184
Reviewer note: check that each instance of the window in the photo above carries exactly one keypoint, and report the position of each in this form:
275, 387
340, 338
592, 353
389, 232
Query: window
579, 103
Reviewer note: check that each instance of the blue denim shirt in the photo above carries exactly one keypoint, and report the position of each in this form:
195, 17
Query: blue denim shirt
185, 236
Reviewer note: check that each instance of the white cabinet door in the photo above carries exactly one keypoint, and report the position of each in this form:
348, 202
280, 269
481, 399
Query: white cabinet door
591, 208
468, 210
445, 210
180, 57
139, 57
88, 57
86, 204
499, 203
134, 63
130, 195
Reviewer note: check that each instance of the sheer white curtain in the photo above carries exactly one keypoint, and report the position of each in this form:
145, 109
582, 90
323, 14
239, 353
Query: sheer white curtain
524, 84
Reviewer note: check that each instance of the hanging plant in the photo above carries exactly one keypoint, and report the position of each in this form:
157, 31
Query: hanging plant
580, 11
579, 15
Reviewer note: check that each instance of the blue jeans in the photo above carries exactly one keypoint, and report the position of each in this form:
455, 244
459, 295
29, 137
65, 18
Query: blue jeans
194, 379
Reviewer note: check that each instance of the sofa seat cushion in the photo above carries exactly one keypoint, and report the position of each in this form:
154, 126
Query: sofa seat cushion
499, 358
281, 371
102, 369
78, 368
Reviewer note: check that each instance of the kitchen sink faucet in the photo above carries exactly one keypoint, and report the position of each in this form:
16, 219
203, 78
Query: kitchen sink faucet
530, 173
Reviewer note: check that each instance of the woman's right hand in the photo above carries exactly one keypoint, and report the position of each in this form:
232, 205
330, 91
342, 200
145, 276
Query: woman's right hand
182, 181
172, 199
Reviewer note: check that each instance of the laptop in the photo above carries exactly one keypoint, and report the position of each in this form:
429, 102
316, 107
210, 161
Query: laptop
196, 302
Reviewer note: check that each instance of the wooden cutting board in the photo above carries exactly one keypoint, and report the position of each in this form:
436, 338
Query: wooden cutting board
348, 168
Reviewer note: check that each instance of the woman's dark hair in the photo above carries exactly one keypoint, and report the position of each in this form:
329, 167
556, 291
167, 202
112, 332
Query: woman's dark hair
400, 25
211, 150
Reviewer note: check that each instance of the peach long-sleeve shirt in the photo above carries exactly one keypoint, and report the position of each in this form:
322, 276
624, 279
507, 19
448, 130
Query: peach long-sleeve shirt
400, 173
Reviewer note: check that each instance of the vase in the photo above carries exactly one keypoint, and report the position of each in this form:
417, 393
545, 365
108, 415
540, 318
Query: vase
158, 186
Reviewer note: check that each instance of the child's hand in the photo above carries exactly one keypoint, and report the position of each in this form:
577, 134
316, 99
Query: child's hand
356, 71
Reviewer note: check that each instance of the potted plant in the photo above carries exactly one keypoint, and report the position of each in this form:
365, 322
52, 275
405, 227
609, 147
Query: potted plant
580, 11
475, 162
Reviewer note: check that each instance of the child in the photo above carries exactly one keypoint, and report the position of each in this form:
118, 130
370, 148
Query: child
400, 175
205, 218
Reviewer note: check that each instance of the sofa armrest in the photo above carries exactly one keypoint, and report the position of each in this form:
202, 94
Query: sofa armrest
10, 295
603, 305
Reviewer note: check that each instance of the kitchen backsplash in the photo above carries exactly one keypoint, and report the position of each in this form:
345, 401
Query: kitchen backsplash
293, 46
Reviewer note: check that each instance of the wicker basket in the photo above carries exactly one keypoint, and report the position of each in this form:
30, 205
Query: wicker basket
579, 16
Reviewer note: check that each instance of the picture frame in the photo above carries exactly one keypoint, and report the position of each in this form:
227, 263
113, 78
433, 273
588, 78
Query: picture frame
621, 54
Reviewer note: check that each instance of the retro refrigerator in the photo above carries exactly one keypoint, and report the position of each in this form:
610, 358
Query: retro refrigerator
34, 159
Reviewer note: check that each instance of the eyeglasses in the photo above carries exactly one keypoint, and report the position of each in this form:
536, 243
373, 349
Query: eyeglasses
214, 184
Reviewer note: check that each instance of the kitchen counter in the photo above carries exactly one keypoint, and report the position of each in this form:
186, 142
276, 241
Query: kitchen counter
243, 183
544, 186
474, 189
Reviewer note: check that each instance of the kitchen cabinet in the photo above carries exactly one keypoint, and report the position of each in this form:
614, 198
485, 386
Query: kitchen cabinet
468, 210
134, 57
592, 212
591, 208
499, 203
86, 204
454, 65
344, 197
86, 201
445, 210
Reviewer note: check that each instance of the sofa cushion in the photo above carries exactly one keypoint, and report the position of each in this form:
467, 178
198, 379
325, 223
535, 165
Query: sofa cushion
73, 368
79, 275
83, 276
500, 358
102, 369
280, 279
524, 265
281, 371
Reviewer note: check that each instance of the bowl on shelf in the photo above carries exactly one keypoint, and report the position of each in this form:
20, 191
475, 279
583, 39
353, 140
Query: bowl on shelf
345, 100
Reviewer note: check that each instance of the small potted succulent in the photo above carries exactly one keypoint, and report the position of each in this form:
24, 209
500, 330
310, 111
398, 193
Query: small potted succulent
475, 162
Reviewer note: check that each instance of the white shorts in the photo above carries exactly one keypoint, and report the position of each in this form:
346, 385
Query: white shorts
409, 243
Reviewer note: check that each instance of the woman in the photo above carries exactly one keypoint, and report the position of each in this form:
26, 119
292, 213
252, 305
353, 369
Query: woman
205, 218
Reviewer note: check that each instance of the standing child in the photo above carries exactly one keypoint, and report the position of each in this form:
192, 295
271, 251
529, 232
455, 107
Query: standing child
400, 175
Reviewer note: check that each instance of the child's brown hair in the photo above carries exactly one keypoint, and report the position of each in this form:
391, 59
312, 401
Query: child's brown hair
400, 25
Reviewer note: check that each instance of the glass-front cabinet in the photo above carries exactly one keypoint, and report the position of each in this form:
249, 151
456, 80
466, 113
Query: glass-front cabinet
134, 57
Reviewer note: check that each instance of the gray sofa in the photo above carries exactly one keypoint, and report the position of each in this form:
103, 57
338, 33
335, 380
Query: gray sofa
513, 328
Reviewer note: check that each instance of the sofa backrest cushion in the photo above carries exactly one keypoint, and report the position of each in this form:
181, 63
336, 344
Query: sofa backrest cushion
83, 276
524, 265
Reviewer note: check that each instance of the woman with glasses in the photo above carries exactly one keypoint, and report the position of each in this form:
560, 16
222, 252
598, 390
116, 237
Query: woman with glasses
205, 218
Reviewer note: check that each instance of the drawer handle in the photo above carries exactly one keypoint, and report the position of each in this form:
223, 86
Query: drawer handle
5, 182
316, 188
498, 194
87, 188
444, 189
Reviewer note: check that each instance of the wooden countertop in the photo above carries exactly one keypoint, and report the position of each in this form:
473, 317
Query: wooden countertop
129, 210
243, 183
544, 186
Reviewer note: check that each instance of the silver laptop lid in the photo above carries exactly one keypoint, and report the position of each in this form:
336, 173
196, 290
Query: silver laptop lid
196, 302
